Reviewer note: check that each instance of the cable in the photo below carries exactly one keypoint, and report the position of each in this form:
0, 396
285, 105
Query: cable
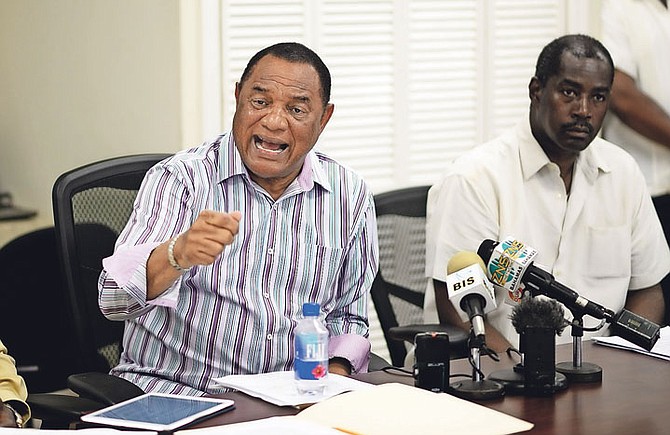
402, 371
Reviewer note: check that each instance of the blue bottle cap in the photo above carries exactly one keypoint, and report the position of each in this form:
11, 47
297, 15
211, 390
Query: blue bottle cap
310, 309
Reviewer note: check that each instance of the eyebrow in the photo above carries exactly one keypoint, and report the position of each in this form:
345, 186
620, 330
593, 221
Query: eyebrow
580, 86
259, 88
300, 97
571, 83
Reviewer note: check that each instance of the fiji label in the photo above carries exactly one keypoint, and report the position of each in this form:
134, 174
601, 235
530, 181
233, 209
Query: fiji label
311, 360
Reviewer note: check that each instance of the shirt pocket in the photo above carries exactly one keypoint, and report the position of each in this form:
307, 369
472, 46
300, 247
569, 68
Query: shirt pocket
327, 264
608, 252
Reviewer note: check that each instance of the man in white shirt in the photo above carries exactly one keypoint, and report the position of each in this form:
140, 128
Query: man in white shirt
637, 34
551, 183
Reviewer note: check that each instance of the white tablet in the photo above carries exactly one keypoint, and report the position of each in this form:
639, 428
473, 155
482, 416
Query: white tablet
159, 412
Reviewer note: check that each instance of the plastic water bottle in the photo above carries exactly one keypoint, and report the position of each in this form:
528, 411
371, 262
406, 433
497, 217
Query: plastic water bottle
311, 352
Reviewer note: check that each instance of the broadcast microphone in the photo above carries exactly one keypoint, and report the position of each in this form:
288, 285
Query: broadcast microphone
472, 295
537, 321
510, 265
469, 290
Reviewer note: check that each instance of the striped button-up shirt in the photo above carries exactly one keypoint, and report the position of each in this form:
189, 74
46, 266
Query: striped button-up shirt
316, 243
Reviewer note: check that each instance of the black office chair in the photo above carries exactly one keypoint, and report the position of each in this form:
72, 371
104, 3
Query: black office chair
398, 290
33, 320
91, 206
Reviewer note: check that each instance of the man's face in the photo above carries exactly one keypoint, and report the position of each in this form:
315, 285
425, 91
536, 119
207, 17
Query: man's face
566, 114
278, 119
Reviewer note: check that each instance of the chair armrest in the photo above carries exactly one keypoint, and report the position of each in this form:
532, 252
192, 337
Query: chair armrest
377, 363
458, 338
103, 388
59, 411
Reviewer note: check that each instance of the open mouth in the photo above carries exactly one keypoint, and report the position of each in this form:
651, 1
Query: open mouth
269, 145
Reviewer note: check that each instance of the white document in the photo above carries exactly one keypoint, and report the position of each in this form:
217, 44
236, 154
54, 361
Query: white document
279, 387
93, 431
397, 409
660, 350
286, 425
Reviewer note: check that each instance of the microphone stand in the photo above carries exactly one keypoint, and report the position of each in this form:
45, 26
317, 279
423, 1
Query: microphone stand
577, 370
476, 388
514, 379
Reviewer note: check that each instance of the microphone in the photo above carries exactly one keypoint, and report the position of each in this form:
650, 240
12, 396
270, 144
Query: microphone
431, 371
537, 321
469, 290
510, 264
471, 293
538, 313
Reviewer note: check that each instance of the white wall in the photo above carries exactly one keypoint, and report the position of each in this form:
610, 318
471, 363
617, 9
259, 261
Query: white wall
82, 80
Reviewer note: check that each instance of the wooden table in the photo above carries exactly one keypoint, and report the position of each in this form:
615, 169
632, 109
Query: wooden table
633, 398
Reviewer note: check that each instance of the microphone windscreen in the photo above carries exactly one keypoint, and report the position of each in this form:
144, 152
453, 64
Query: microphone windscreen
538, 312
486, 249
463, 259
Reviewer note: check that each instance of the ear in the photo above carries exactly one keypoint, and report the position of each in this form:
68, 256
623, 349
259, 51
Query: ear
534, 89
325, 117
237, 92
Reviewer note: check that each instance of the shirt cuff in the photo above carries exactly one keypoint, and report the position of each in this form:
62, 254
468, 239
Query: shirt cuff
125, 261
352, 347
127, 267
169, 297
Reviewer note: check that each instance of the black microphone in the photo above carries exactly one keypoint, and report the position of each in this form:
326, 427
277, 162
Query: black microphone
431, 370
512, 256
537, 321
509, 264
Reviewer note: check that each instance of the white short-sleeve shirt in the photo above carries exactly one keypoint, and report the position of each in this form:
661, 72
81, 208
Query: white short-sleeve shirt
601, 240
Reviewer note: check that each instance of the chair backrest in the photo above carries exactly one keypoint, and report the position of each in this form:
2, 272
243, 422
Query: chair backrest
91, 206
33, 318
398, 290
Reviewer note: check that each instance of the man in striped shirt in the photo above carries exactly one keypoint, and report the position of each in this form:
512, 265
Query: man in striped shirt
227, 241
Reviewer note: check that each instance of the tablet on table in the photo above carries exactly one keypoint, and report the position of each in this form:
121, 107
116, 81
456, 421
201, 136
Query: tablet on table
159, 412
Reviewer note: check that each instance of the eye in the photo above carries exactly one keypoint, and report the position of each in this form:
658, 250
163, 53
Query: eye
259, 103
569, 92
600, 98
297, 111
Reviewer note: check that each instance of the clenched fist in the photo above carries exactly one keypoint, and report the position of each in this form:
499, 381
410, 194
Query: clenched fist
205, 240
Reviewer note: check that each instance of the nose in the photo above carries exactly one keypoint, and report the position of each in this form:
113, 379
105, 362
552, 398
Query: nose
582, 109
275, 119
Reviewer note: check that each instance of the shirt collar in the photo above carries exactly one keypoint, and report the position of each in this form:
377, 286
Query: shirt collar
313, 172
533, 158
231, 165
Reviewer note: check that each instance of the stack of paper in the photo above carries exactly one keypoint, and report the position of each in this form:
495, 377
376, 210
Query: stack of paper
660, 350
279, 387
395, 409
388, 409
287, 425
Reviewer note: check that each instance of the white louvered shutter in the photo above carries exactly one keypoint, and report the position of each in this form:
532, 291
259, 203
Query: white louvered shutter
415, 82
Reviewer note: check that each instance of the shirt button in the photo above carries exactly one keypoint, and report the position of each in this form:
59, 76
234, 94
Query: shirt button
271, 251
269, 337
266, 294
